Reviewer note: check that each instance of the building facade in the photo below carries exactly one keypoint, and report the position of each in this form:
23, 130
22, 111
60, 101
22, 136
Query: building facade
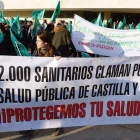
87, 9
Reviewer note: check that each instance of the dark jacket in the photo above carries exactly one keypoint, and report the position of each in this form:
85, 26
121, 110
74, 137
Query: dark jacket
62, 41
6, 46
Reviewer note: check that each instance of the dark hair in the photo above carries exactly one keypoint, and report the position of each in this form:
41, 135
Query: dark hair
108, 25
45, 20
2, 28
49, 28
46, 37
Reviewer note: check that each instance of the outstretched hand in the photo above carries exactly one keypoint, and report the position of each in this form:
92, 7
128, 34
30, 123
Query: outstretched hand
57, 57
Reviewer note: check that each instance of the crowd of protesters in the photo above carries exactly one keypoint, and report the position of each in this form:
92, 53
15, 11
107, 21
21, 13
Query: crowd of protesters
59, 38
54, 41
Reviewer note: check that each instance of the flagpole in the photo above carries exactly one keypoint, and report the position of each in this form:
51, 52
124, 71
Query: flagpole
18, 49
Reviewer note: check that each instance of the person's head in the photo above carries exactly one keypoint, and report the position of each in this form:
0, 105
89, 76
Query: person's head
44, 21
126, 27
2, 29
7, 27
43, 39
60, 22
49, 28
22, 23
66, 23
28, 23
108, 25
44, 42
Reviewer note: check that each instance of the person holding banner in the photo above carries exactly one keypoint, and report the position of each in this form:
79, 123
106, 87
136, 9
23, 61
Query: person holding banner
44, 46
44, 49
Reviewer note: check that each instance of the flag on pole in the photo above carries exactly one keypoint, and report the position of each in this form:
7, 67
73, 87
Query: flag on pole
1, 14
45, 26
20, 48
85, 54
12, 20
99, 20
124, 21
35, 27
69, 27
56, 12
40, 24
16, 27
2, 20
39, 14
94, 20
114, 26
1, 36
121, 25
25, 19
7, 21
110, 21
104, 24
138, 26
2, 17
131, 27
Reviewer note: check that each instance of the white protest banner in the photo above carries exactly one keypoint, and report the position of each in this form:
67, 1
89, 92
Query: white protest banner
91, 38
39, 93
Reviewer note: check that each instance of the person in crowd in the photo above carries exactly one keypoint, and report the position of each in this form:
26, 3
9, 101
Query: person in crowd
60, 22
62, 41
66, 23
126, 27
50, 29
24, 40
6, 46
32, 38
108, 25
44, 22
45, 49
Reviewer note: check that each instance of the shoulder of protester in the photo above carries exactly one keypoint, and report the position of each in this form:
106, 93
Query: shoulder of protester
59, 28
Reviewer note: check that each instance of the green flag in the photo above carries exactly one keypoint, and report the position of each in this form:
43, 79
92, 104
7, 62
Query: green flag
12, 20
99, 20
124, 21
104, 24
114, 26
56, 12
45, 26
138, 26
35, 27
120, 25
25, 19
85, 54
131, 27
69, 27
2, 20
20, 48
16, 27
7, 21
40, 24
1, 36
110, 21
1, 15
39, 14
94, 20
